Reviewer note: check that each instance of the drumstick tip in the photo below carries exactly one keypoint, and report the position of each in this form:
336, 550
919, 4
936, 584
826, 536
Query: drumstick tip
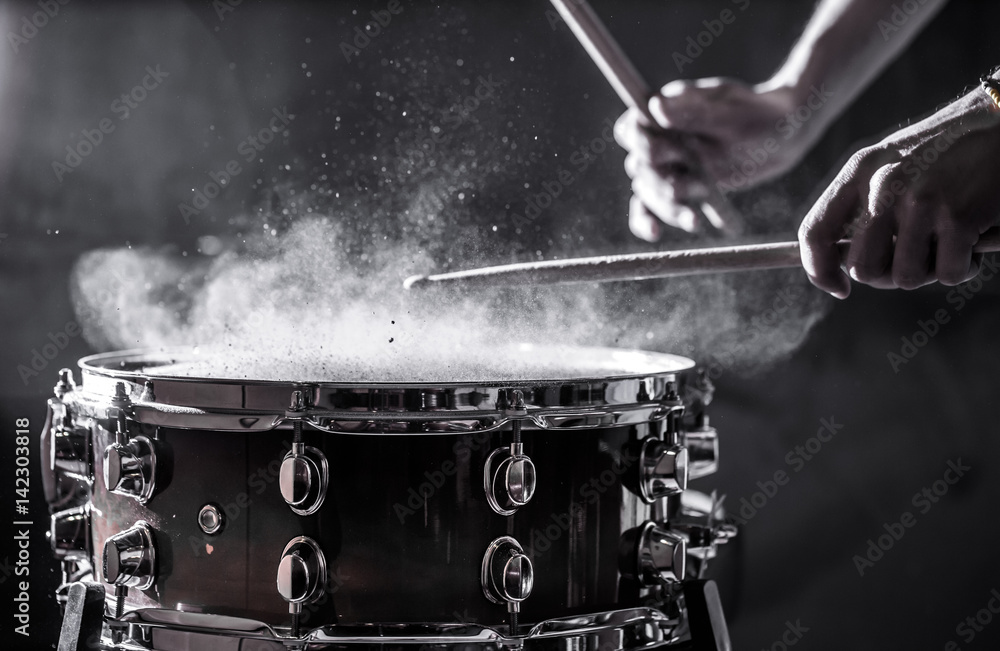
418, 280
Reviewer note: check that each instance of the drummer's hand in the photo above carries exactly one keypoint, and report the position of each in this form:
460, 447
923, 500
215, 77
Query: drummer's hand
712, 136
913, 205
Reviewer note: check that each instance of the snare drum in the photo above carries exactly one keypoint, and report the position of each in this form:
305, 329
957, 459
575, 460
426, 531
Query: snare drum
543, 507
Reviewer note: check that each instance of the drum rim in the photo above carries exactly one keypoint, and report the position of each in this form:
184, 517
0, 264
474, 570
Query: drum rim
432, 408
89, 365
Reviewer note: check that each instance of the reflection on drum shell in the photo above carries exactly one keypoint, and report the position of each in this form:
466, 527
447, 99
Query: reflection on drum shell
403, 526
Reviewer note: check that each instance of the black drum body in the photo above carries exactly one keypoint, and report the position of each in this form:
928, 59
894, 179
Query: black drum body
527, 512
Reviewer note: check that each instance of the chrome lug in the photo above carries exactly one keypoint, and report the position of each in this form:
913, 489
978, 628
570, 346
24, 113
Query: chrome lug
130, 557
509, 479
663, 470
69, 534
130, 468
507, 574
302, 572
703, 450
304, 478
653, 555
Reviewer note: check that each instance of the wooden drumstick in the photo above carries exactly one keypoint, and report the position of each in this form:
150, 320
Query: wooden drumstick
607, 54
632, 89
640, 266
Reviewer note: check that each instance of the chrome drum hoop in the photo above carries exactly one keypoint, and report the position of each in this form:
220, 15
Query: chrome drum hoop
620, 630
378, 408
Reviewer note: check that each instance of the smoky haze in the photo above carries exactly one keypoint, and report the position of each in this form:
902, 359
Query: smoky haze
439, 158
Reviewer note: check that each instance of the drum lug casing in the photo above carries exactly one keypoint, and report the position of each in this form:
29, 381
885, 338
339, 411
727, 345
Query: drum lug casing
653, 555
130, 468
507, 574
304, 478
703, 449
129, 558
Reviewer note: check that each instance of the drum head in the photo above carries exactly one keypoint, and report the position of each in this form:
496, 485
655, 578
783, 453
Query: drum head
518, 363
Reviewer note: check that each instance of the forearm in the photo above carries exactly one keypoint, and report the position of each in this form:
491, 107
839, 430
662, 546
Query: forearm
846, 44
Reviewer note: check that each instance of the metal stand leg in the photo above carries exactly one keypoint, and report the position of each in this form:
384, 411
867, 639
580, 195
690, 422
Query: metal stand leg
708, 624
83, 619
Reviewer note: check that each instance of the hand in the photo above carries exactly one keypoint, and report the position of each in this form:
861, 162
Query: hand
914, 204
711, 136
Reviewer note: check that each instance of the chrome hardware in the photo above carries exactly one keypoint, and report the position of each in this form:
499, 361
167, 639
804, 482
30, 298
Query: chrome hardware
65, 451
120, 404
633, 629
304, 478
509, 479
702, 521
507, 575
305, 473
130, 557
65, 383
301, 571
302, 576
210, 519
509, 474
130, 468
69, 533
653, 555
70, 445
703, 450
148, 395
663, 470
361, 410
297, 403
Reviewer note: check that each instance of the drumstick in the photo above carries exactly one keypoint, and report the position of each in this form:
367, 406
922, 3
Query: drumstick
641, 266
631, 88
607, 54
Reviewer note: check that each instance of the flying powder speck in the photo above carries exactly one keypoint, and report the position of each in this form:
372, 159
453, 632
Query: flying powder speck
423, 170
298, 308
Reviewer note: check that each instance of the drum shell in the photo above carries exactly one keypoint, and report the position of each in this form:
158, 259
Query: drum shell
404, 525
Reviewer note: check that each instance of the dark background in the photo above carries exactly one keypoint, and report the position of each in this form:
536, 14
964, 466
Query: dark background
226, 76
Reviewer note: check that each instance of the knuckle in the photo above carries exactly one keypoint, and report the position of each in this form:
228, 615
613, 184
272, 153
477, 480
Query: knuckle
809, 232
951, 278
865, 272
908, 279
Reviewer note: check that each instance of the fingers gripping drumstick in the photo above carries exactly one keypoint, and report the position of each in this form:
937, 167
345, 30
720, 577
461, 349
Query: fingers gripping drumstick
631, 88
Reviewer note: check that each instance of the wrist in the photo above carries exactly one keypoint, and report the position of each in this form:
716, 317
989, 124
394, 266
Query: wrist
801, 113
